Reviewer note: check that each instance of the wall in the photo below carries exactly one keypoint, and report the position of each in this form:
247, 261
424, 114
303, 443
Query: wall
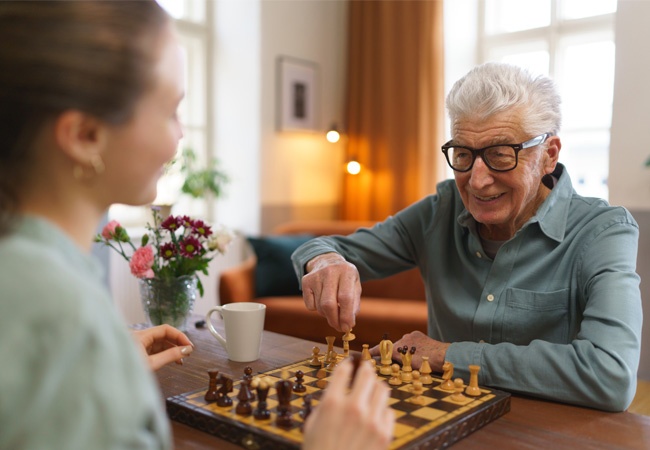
629, 180
276, 176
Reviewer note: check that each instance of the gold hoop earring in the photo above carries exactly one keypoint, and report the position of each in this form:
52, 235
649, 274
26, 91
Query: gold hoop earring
98, 164
79, 172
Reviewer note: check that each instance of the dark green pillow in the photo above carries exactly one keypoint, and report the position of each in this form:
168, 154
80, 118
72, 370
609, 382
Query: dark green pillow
274, 274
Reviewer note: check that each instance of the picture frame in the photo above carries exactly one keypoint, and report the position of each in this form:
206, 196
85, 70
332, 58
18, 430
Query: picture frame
297, 95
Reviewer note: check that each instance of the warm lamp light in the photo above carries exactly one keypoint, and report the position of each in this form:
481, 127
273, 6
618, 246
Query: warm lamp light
353, 167
333, 135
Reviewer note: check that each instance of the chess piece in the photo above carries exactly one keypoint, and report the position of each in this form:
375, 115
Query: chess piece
395, 379
347, 337
245, 397
321, 375
447, 372
365, 353
262, 388
333, 361
386, 351
473, 389
211, 394
225, 388
306, 407
283, 389
458, 396
425, 371
248, 376
330, 346
417, 389
298, 385
407, 356
315, 358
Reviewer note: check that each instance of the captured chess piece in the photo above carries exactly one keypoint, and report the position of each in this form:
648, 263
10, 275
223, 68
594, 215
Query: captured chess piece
298, 385
395, 378
386, 351
458, 396
425, 371
211, 394
447, 373
473, 389
315, 357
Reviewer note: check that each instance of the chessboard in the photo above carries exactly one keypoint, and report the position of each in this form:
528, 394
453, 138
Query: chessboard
437, 423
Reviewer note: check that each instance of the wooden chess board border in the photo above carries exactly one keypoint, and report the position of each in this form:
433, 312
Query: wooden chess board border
182, 409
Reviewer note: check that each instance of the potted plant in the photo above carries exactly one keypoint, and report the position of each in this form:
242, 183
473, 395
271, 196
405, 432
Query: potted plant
200, 182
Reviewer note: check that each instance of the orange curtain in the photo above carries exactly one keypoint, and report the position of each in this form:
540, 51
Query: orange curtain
395, 105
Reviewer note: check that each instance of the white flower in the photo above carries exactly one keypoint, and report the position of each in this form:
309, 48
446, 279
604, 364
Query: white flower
219, 240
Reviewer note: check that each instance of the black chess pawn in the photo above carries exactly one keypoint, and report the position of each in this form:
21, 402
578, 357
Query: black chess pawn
211, 394
298, 385
248, 377
225, 388
245, 397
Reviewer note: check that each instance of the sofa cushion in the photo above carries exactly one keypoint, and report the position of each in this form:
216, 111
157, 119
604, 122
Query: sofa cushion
274, 274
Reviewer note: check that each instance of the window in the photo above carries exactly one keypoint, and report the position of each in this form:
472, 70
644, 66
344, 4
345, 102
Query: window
572, 41
193, 25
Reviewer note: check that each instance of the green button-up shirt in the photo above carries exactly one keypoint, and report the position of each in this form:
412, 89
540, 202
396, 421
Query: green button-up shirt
557, 312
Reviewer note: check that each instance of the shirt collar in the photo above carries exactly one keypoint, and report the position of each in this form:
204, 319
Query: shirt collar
552, 213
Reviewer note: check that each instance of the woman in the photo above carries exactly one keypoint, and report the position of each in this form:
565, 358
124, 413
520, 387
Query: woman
88, 99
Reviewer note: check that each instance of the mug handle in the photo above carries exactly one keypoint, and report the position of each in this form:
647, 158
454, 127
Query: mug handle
214, 332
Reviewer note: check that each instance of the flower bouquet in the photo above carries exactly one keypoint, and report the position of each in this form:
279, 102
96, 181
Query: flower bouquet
167, 262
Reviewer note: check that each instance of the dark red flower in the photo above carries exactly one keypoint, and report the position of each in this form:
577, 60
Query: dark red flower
167, 251
171, 223
201, 228
190, 246
185, 221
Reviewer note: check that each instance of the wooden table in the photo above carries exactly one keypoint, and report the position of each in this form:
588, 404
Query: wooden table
531, 423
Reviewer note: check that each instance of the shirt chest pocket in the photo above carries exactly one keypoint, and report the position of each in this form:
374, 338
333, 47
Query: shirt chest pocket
536, 315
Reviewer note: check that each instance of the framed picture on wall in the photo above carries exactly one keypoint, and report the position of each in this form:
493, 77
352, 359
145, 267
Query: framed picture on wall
297, 95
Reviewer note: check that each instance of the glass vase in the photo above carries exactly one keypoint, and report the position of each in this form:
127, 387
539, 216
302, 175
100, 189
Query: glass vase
169, 301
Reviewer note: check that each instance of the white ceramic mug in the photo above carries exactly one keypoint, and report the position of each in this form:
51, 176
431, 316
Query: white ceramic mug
244, 323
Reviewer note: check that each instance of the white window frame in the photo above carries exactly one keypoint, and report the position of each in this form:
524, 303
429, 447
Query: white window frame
553, 38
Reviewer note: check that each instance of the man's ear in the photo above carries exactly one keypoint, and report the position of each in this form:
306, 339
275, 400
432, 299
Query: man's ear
80, 136
553, 147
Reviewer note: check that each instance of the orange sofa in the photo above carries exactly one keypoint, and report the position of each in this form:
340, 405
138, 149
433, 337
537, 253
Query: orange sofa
395, 305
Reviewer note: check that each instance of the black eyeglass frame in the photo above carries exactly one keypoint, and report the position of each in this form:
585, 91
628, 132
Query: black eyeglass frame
538, 140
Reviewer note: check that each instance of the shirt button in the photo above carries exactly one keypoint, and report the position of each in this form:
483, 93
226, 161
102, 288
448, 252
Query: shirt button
490, 297
478, 255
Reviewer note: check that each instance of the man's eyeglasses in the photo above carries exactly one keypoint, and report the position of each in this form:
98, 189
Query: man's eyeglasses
500, 158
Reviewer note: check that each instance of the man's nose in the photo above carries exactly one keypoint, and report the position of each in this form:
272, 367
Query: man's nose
480, 175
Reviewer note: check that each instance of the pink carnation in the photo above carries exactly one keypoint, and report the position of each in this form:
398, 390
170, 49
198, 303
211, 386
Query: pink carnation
108, 232
142, 262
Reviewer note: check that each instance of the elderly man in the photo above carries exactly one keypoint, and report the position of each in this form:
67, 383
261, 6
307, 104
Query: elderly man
525, 278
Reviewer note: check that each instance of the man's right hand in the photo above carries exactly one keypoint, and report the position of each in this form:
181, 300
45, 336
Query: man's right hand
332, 287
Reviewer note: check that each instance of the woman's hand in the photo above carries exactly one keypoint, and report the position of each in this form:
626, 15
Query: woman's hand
163, 344
356, 419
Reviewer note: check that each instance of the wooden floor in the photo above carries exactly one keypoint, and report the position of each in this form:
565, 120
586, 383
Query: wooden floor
641, 403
